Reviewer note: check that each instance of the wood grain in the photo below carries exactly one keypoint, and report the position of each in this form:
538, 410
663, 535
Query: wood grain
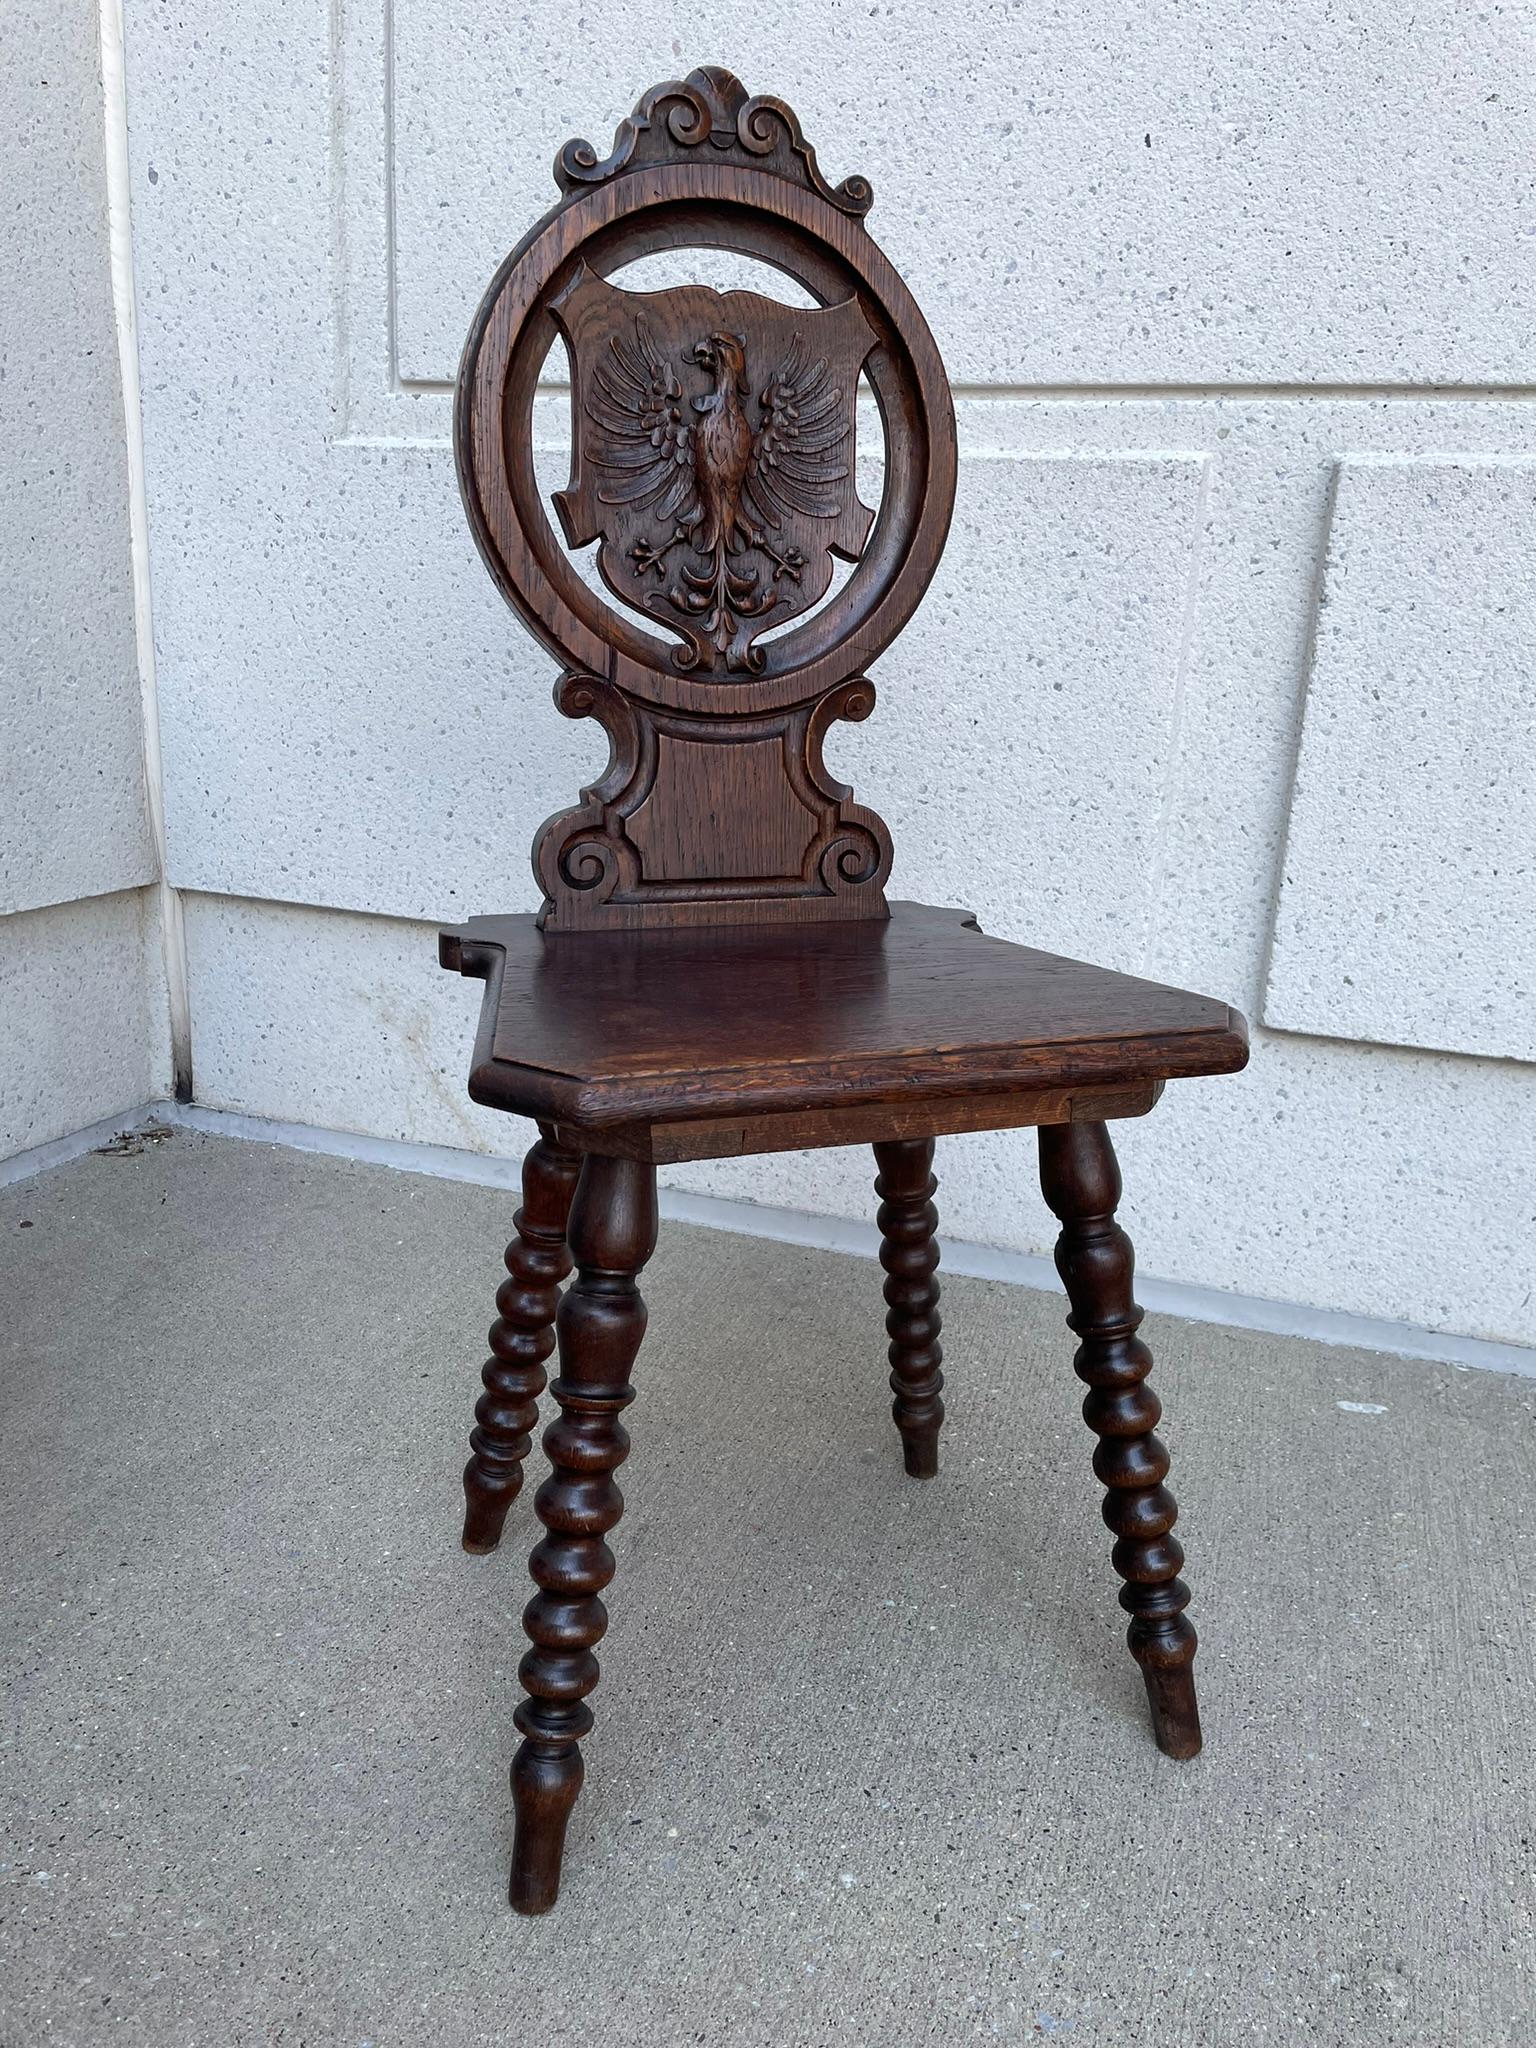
601, 1321
522, 1337
1081, 1181
734, 1137
909, 1253
752, 1020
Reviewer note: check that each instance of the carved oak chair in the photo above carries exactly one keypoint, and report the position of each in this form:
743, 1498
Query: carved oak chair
715, 970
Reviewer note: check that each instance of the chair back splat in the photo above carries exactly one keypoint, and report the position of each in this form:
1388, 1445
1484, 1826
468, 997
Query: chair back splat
714, 438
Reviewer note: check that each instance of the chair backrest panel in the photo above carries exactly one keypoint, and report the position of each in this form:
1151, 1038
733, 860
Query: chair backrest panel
714, 439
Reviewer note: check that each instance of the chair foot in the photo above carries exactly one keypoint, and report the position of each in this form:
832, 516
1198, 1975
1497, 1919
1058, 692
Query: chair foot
1094, 1258
545, 1782
909, 1253
1171, 1690
920, 1456
600, 1323
522, 1337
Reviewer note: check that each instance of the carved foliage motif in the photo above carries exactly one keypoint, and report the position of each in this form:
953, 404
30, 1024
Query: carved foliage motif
712, 453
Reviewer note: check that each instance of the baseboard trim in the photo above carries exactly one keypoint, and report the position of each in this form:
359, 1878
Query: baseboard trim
819, 1233
62, 1151
1161, 1297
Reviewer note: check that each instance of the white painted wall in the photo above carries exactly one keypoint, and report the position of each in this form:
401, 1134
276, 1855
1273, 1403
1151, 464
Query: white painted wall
1238, 305
82, 1034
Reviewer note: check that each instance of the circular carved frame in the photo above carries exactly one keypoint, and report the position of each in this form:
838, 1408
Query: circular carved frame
818, 241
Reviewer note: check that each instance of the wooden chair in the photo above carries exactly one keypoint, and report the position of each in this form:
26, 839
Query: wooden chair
716, 970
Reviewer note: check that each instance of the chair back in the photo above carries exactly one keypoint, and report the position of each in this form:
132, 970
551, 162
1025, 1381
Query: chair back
715, 470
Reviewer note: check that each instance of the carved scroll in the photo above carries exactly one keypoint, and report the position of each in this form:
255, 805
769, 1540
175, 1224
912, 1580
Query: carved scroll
710, 106
706, 815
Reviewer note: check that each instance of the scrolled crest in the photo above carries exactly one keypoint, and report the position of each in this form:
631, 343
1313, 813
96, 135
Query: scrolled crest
710, 106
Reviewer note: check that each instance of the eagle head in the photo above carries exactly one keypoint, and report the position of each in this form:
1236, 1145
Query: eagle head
724, 355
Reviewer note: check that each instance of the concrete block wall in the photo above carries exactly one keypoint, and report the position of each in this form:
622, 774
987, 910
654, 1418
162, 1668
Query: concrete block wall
1237, 310
83, 1033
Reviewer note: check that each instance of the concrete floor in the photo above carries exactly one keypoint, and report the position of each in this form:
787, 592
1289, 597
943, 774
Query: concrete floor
871, 1763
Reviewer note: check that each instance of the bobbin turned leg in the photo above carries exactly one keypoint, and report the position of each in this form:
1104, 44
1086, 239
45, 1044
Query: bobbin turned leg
1094, 1257
601, 1321
909, 1254
522, 1337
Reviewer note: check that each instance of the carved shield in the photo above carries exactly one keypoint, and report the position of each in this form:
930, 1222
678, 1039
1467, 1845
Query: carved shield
713, 456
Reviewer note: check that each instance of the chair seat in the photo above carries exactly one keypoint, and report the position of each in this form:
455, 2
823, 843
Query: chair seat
818, 1034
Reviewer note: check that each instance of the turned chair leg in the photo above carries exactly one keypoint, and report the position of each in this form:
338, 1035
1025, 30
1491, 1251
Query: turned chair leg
1093, 1255
522, 1337
601, 1321
910, 1256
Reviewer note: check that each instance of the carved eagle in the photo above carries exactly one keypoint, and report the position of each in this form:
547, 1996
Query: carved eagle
720, 506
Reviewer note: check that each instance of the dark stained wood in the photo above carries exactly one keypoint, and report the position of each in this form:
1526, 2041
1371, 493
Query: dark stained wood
713, 446
715, 970
910, 1256
1081, 1180
522, 1337
718, 507
758, 1019
728, 1137
601, 1321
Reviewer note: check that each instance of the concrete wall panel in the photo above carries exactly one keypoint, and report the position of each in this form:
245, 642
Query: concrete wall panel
71, 750
1407, 908
1078, 195
82, 1009
81, 1020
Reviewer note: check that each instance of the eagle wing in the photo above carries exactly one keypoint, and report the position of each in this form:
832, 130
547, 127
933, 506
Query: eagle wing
802, 452
640, 440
